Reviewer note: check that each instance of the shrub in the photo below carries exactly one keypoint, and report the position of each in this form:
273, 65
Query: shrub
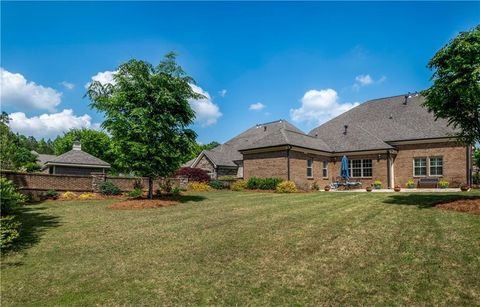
286, 187
238, 185
377, 184
199, 186
263, 183
216, 184
52, 194
9, 231
135, 193
86, 196
315, 186
109, 188
227, 178
443, 184
10, 199
165, 186
193, 174
68, 196
175, 191
410, 184
138, 184
476, 178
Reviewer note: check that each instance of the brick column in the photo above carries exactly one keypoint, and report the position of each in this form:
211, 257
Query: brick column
97, 180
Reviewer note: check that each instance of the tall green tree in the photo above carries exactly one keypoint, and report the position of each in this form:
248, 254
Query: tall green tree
455, 93
13, 154
148, 116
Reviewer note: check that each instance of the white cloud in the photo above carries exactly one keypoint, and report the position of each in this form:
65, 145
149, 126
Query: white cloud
222, 93
49, 125
17, 91
206, 112
257, 106
104, 77
67, 85
318, 106
364, 80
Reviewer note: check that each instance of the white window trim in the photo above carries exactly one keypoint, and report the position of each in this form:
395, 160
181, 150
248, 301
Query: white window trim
361, 168
309, 167
427, 166
325, 167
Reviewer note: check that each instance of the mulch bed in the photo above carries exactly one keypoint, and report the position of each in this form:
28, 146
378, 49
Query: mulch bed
463, 205
143, 204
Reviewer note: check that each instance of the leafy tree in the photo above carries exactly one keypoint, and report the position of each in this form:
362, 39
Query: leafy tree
13, 155
476, 157
147, 114
455, 93
96, 143
45, 147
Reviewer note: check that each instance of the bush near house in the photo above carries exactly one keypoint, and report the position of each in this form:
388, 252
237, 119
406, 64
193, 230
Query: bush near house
193, 174
377, 184
255, 183
217, 184
68, 195
109, 188
286, 187
199, 187
410, 184
51, 194
238, 185
86, 196
443, 184
135, 193
227, 178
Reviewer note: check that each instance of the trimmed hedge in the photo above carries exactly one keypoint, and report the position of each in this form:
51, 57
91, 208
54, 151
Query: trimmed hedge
255, 183
109, 188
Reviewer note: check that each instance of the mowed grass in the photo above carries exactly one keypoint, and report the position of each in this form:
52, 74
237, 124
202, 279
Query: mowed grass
241, 248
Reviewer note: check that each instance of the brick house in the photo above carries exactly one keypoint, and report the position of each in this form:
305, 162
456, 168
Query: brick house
73, 162
391, 139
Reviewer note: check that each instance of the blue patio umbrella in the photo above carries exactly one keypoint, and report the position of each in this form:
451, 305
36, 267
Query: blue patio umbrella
344, 168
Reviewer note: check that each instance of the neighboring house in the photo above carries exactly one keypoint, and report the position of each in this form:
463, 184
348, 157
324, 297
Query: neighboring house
73, 162
391, 139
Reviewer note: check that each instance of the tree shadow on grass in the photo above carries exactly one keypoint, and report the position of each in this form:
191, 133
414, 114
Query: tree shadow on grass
424, 201
34, 223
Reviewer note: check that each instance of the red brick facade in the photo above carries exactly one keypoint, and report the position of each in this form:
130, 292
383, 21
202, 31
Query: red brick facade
275, 164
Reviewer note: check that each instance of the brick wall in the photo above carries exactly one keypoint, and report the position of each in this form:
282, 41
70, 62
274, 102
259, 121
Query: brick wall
298, 170
268, 164
44, 182
454, 162
75, 183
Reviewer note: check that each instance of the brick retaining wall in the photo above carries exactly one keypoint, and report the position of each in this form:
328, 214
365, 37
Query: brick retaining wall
76, 183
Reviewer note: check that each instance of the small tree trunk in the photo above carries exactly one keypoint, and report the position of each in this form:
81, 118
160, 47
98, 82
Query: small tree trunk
150, 187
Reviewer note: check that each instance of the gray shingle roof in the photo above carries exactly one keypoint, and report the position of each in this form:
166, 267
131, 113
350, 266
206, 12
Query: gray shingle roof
374, 123
226, 153
42, 158
78, 157
288, 137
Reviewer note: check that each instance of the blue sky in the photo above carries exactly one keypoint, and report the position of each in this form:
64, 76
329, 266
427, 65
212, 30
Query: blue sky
256, 62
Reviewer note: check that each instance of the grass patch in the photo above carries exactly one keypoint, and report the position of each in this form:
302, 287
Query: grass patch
243, 248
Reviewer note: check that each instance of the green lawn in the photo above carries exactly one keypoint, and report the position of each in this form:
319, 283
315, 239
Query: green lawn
241, 248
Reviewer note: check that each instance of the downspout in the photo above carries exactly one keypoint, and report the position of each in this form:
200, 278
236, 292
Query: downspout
288, 161
389, 170
469, 165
